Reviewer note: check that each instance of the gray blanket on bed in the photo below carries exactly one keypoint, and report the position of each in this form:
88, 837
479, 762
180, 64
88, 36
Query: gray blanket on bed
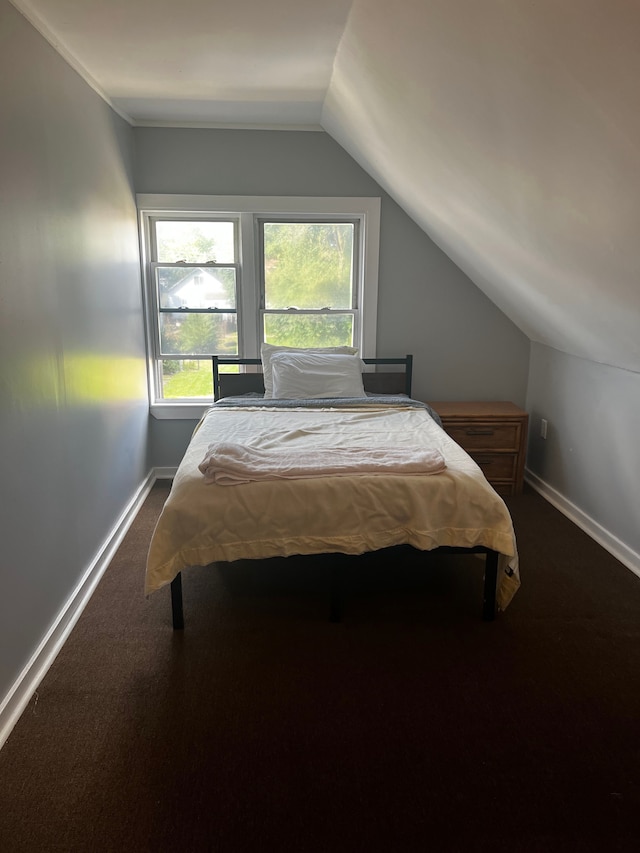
324, 402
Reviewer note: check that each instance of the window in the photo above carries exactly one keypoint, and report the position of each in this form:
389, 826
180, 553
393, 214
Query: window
194, 276
224, 274
309, 295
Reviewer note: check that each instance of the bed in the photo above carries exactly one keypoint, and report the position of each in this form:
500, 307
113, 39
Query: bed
346, 469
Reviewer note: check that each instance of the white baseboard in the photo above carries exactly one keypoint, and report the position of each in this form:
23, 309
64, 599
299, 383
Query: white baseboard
609, 542
27, 682
165, 473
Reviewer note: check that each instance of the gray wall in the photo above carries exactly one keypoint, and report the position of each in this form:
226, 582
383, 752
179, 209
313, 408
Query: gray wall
591, 455
73, 397
464, 347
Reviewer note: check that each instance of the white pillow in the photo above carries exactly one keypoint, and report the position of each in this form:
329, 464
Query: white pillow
299, 375
267, 350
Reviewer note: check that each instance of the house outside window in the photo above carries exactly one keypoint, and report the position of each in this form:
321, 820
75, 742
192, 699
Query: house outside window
222, 275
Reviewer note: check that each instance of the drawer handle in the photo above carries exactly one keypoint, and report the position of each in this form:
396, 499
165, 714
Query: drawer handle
479, 431
484, 461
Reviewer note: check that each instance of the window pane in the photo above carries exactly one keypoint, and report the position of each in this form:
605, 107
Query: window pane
195, 242
308, 264
198, 334
191, 378
309, 330
201, 287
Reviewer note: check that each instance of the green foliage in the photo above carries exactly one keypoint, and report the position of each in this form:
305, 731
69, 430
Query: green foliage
193, 379
194, 242
308, 264
169, 367
326, 330
198, 334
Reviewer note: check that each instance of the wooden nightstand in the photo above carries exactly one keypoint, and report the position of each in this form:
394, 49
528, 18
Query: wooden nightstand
494, 435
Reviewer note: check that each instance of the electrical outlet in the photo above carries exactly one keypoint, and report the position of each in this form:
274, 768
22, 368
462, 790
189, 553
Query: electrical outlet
543, 427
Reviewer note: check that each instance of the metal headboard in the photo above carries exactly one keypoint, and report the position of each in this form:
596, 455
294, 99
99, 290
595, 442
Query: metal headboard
375, 382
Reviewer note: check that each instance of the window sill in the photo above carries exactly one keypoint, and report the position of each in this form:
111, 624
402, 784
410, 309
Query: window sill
179, 411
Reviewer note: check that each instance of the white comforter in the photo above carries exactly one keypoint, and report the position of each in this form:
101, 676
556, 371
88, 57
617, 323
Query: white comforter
204, 522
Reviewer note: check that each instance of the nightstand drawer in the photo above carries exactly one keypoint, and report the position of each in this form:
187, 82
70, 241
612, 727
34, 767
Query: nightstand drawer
475, 435
494, 434
496, 466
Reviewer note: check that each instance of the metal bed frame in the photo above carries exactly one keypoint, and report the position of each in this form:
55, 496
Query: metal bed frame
335, 594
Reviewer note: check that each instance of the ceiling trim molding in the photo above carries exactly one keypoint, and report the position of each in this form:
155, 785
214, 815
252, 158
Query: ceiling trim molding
221, 125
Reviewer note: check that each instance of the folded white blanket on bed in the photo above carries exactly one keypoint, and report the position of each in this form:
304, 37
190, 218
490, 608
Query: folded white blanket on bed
230, 464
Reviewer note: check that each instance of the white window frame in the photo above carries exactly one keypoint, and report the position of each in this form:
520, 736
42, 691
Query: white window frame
249, 209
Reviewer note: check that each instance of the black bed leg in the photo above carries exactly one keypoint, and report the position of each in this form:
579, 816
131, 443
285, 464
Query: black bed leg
335, 605
490, 586
176, 603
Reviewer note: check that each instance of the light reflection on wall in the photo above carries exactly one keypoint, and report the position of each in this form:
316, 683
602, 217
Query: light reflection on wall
43, 382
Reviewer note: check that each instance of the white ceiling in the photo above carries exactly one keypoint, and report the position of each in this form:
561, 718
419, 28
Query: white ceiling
510, 131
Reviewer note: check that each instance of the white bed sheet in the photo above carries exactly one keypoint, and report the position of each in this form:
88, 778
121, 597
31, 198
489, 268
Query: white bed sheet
202, 522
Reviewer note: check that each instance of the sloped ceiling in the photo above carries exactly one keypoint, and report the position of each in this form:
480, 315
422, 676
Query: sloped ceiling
509, 130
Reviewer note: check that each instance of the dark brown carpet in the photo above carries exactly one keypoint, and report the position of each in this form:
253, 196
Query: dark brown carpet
411, 726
